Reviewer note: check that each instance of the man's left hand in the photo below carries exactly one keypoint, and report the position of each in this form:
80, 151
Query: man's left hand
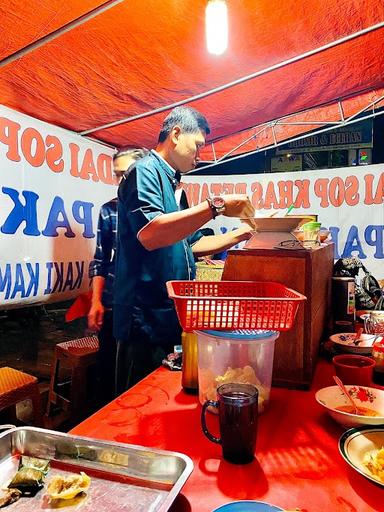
244, 233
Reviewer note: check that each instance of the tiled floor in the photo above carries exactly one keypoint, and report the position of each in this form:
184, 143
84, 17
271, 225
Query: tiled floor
27, 340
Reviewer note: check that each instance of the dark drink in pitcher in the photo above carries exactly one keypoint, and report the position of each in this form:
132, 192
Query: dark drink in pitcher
238, 428
238, 408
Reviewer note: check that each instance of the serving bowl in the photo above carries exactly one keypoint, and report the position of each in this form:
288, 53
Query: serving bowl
368, 398
345, 341
248, 506
357, 444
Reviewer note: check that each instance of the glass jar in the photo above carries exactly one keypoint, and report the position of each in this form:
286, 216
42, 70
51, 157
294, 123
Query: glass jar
189, 371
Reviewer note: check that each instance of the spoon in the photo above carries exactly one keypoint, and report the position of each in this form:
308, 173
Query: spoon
344, 390
357, 339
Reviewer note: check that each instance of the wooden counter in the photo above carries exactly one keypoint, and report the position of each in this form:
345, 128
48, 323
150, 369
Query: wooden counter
308, 272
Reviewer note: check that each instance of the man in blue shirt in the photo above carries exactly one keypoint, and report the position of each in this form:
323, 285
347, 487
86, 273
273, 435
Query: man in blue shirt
157, 241
102, 272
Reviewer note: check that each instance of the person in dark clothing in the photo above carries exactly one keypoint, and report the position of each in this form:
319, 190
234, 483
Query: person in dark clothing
157, 239
102, 272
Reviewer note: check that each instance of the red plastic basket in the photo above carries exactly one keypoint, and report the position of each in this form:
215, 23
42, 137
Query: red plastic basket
228, 305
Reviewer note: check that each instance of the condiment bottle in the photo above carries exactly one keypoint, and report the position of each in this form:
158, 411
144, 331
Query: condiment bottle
189, 374
378, 356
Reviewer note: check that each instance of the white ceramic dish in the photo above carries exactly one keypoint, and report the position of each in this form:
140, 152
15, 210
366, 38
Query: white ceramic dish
345, 342
248, 506
370, 398
356, 443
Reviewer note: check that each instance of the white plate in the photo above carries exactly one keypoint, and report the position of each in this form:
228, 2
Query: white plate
345, 341
370, 398
356, 442
248, 506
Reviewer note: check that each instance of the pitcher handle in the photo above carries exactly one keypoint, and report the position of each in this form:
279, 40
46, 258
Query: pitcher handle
7, 427
213, 403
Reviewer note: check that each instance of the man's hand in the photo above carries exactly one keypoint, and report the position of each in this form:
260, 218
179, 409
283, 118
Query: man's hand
96, 316
217, 243
239, 205
243, 233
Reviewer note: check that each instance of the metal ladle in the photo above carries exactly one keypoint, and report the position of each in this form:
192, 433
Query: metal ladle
345, 391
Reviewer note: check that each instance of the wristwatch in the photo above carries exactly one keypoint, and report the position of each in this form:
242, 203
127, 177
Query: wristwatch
217, 205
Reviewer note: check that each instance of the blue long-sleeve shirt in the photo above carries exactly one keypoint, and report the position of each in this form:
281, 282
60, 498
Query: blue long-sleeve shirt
104, 259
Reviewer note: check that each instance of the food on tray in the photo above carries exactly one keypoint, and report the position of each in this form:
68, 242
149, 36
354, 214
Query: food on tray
209, 382
374, 461
361, 411
66, 487
76, 451
113, 457
8, 496
30, 475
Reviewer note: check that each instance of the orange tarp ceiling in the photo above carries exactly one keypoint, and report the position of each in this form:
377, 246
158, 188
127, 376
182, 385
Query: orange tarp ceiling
138, 56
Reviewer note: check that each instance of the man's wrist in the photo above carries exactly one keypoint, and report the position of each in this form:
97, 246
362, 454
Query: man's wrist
217, 205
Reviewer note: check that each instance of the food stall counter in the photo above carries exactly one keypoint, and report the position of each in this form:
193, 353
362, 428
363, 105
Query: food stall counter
298, 463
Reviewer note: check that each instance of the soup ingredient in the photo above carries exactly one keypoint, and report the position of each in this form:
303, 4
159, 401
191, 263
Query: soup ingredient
374, 461
30, 475
209, 382
8, 496
66, 487
361, 411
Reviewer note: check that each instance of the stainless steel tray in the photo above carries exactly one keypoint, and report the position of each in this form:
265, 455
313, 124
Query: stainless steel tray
123, 477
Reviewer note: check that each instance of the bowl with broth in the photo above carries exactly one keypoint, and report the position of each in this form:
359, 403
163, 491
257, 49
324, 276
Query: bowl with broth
369, 401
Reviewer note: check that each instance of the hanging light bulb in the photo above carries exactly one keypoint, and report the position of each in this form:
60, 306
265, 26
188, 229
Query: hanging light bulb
216, 26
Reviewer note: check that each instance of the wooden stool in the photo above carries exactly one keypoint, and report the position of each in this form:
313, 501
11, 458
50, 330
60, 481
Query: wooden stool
16, 386
76, 356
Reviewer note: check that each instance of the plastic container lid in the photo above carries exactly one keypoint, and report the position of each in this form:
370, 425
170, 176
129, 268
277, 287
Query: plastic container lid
241, 334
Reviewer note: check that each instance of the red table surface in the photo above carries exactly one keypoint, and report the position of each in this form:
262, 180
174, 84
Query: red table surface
298, 463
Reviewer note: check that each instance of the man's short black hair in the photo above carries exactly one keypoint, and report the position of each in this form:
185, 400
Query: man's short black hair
135, 153
189, 119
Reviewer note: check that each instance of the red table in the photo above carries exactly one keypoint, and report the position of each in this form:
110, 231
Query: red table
298, 463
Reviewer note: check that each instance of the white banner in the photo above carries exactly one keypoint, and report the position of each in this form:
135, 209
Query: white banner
53, 183
348, 201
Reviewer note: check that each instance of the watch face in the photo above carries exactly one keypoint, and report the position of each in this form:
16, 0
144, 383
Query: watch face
218, 202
